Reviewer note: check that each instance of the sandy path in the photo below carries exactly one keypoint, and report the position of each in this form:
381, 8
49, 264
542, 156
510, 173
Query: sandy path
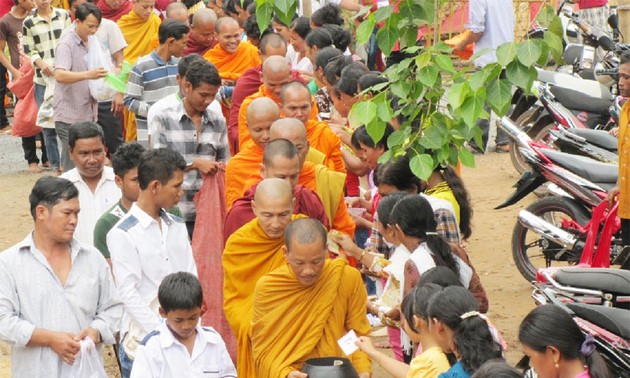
489, 247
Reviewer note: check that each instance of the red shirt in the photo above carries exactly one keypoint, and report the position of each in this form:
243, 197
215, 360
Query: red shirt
587, 4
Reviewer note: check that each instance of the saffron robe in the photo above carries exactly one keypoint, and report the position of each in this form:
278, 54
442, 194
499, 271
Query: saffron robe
114, 14
194, 47
305, 201
322, 138
292, 322
248, 255
232, 65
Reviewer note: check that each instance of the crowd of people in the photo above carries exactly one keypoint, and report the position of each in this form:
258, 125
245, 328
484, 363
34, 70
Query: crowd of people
221, 218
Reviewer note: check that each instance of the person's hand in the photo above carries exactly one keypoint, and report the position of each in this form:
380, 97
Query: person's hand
205, 166
346, 244
97, 73
227, 83
455, 43
16, 74
393, 314
338, 120
297, 374
365, 374
90, 332
614, 132
354, 202
65, 345
117, 104
365, 344
360, 222
221, 165
46, 69
612, 193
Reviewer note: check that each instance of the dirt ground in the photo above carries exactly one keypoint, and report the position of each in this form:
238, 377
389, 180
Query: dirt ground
489, 247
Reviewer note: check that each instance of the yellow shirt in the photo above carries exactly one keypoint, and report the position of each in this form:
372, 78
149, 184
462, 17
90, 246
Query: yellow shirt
431, 363
624, 162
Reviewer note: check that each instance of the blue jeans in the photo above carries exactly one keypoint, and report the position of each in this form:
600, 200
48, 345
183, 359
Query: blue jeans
125, 362
50, 135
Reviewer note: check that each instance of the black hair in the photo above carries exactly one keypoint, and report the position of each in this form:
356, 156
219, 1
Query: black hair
333, 69
126, 158
84, 130
328, 14
180, 291
439, 275
385, 206
301, 26
190, 3
185, 62
251, 8
417, 303
341, 37
370, 80
203, 72
49, 190
305, 231
229, 7
456, 184
323, 56
159, 164
293, 85
320, 38
624, 58
415, 217
274, 40
497, 368
360, 135
399, 175
550, 325
471, 335
84, 10
349, 80
279, 147
252, 30
171, 28
246, 4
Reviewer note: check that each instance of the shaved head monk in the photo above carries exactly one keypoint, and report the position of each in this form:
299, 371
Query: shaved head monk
261, 113
296, 102
139, 28
301, 309
251, 252
114, 9
202, 36
280, 160
231, 56
177, 11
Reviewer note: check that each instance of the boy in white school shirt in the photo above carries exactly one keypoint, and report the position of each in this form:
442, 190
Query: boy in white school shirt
181, 347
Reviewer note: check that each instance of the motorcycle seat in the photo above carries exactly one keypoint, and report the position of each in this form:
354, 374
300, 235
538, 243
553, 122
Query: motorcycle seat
605, 279
589, 169
592, 87
576, 100
599, 138
615, 320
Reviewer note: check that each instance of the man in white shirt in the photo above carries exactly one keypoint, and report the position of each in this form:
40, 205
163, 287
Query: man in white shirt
54, 291
146, 245
96, 182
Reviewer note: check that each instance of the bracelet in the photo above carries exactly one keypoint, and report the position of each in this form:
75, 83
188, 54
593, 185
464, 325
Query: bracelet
362, 255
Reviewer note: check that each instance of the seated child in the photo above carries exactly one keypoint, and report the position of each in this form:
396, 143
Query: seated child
180, 347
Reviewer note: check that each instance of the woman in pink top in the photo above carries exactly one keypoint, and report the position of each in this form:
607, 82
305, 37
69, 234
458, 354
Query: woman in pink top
557, 348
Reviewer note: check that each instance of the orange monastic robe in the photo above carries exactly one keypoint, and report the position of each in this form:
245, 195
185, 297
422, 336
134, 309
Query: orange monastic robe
292, 322
249, 254
232, 65
243, 133
322, 138
239, 168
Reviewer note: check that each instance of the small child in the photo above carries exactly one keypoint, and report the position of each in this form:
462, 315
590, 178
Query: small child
180, 347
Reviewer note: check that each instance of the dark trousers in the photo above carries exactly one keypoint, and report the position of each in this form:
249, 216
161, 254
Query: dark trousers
4, 122
111, 125
62, 128
30, 149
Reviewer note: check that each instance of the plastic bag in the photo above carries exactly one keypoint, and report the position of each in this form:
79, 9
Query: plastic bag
118, 82
88, 364
98, 57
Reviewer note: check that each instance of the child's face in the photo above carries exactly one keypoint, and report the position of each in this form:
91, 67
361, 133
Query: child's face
182, 322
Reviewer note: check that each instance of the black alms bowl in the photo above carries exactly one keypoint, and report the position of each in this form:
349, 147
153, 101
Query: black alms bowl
329, 367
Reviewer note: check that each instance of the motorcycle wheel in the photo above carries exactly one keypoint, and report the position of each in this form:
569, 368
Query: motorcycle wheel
542, 134
515, 155
528, 247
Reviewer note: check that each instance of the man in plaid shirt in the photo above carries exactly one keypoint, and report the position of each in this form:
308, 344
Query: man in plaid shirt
42, 30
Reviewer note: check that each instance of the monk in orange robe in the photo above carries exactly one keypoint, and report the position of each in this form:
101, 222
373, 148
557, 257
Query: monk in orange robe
301, 309
276, 72
280, 160
296, 103
231, 56
251, 252
328, 184
139, 27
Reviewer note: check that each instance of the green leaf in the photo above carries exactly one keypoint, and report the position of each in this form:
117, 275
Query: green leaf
364, 31
423, 59
529, 52
545, 16
466, 157
362, 113
383, 13
471, 109
544, 54
555, 27
477, 80
385, 157
264, 12
428, 75
283, 6
442, 47
499, 96
555, 46
444, 62
376, 129
398, 137
401, 88
384, 111
422, 166
506, 53
458, 93
520, 75
386, 38
434, 136
442, 154
408, 37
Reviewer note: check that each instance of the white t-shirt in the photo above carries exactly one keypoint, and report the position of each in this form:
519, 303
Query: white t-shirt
495, 19
303, 64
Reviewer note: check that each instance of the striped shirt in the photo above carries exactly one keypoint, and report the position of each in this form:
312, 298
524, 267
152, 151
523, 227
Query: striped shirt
150, 80
31, 296
41, 37
174, 129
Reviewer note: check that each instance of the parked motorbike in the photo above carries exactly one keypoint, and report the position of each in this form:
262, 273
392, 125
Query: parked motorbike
574, 225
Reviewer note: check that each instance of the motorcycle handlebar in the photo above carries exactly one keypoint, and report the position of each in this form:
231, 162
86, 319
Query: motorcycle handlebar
606, 71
